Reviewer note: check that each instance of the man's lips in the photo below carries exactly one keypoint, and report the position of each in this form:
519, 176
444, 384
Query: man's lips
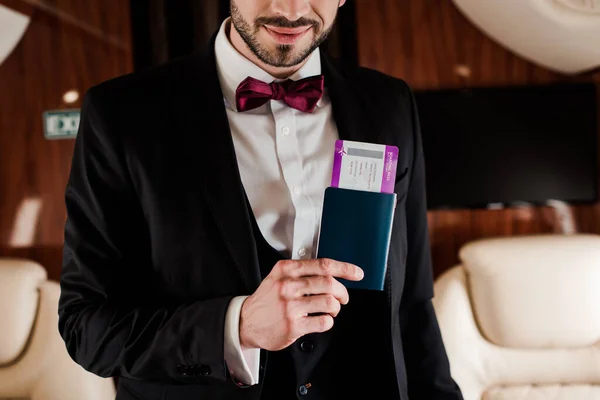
287, 35
288, 31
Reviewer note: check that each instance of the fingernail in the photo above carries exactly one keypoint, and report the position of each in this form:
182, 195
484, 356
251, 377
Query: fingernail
360, 273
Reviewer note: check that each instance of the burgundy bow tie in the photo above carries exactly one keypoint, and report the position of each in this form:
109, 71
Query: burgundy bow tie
302, 95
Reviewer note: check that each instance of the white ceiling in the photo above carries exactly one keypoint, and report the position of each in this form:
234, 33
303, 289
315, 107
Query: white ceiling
588, 6
12, 27
561, 35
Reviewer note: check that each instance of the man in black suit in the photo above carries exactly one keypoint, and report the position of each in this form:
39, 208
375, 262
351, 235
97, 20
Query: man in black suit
193, 211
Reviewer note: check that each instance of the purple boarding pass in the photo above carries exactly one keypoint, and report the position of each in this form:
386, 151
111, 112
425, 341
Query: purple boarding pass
364, 166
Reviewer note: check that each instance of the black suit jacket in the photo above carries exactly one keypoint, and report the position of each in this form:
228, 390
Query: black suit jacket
158, 237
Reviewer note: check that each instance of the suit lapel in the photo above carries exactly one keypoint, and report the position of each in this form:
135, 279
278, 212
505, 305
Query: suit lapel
354, 117
350, 117
209, 144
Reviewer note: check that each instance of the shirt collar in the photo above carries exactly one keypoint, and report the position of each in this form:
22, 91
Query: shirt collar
233, 67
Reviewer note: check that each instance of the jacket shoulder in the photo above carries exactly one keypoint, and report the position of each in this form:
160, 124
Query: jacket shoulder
371, 82
145, 85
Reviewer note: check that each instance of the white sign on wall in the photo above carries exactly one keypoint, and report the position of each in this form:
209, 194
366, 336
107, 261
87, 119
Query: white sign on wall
61, 124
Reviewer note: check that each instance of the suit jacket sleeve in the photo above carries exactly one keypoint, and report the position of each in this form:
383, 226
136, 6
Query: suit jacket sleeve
425, 356
109, 323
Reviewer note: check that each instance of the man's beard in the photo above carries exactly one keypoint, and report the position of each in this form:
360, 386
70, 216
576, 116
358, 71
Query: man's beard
283, 56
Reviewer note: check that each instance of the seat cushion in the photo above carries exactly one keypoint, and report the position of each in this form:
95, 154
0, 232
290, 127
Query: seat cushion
544, 392
19, 282
536, 292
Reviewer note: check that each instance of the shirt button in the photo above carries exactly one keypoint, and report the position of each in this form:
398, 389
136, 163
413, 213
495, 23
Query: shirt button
297, 190
285, 130
302, 252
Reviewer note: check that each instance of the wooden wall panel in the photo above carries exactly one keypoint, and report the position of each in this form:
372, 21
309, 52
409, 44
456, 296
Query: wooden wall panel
425, 42
69, 45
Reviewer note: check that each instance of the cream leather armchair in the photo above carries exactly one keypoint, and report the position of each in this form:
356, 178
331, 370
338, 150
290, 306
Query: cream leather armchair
520, 318
34, 363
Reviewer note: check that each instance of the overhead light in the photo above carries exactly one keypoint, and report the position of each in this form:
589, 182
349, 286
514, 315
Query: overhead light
559, 35
71, 96
585, 6
464, 71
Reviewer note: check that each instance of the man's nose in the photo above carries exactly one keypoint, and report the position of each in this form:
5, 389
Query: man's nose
292, 9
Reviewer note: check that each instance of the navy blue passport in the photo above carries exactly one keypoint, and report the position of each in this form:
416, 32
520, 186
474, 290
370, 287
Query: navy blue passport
356, 227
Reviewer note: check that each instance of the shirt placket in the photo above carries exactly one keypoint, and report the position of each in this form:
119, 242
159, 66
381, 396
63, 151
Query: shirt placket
291, 164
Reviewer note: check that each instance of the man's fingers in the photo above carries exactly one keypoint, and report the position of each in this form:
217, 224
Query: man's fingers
321, 266
318, 304
315, 285
316, 324
321, 304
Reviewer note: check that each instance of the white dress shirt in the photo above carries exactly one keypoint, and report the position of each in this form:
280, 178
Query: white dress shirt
285, 157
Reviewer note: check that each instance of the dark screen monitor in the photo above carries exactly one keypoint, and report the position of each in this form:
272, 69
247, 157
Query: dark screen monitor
510, 145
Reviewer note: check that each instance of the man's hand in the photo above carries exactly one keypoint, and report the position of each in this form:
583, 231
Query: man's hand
282, 308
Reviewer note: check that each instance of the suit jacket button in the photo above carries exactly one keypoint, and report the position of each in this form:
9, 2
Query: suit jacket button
204, 370
302, 390
307, 345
